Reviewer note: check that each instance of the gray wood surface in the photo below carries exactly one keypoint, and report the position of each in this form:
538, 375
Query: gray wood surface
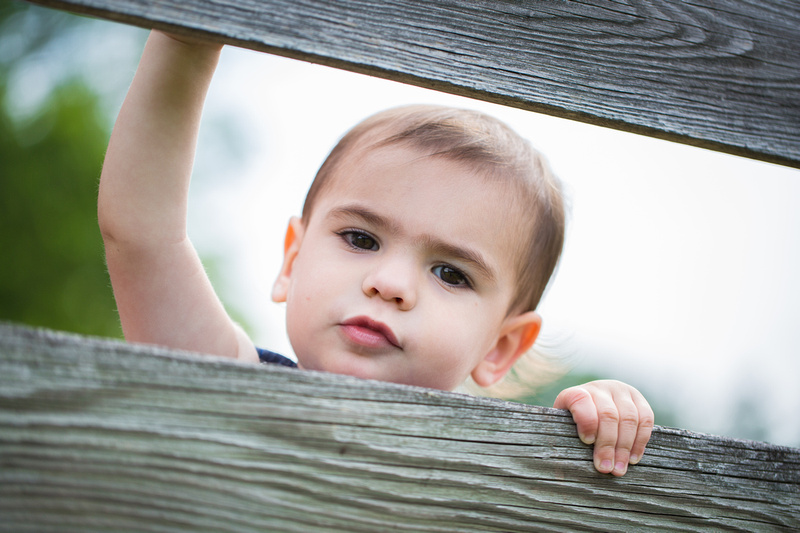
98, 435
723, 75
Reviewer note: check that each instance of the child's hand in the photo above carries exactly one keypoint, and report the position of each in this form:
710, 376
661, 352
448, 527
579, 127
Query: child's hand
615, 417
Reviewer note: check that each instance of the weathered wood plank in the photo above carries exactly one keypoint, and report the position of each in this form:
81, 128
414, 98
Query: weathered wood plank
100, 435
721, 75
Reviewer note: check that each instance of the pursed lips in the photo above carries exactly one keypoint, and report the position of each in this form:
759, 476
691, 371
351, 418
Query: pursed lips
364, 331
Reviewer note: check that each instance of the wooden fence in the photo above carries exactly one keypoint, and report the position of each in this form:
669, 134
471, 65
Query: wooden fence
723, 75
99, 435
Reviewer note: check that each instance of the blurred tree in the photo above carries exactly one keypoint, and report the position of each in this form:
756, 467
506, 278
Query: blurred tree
52, 272
58, 99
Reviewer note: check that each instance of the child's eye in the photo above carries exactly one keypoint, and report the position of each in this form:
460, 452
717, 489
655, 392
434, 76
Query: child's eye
360, 240
451, 276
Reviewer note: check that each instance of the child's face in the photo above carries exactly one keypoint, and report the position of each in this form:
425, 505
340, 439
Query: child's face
404, 273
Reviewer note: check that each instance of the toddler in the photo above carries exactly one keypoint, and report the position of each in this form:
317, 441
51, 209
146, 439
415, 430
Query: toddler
424, 246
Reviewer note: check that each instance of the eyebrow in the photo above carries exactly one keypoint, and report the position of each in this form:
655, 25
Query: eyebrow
438, 246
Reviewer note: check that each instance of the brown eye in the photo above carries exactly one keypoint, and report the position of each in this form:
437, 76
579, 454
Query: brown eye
360, 240
451, 276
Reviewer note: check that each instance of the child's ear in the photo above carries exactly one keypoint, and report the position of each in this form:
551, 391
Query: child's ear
291, 245
517, 335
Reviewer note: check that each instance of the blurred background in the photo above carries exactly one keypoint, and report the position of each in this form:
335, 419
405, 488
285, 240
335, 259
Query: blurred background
679, 274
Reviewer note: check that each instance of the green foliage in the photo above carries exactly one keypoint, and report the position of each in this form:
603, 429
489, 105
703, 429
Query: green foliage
52, 272
58, 99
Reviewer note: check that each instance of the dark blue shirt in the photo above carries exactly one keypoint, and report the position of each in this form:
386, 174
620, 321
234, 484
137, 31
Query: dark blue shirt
274, 358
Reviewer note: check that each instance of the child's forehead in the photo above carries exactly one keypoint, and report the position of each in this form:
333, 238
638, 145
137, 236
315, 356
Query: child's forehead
365, 170
430, 193
369, 163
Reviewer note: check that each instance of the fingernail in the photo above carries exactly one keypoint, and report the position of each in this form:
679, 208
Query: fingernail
634, 459
586, 439
605, 466
620, 467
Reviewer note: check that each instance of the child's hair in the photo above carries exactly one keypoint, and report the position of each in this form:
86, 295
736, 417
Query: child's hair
493, 150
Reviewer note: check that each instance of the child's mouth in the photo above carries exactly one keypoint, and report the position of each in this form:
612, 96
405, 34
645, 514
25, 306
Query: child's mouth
369, 333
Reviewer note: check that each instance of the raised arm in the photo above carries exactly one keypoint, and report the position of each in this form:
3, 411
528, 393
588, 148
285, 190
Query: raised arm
163, 294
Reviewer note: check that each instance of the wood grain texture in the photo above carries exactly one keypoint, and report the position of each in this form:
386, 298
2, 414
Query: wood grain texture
722, 75
97, 435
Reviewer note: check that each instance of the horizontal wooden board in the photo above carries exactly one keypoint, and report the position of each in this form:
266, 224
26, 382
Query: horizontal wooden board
722, 75
98, 435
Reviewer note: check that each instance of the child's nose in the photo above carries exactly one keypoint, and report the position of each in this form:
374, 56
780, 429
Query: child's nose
393, 279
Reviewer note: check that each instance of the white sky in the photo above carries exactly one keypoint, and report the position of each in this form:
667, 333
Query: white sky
679, 269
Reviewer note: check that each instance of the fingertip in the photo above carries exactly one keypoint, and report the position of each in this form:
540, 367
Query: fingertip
604, 466
636, 454
587, 439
